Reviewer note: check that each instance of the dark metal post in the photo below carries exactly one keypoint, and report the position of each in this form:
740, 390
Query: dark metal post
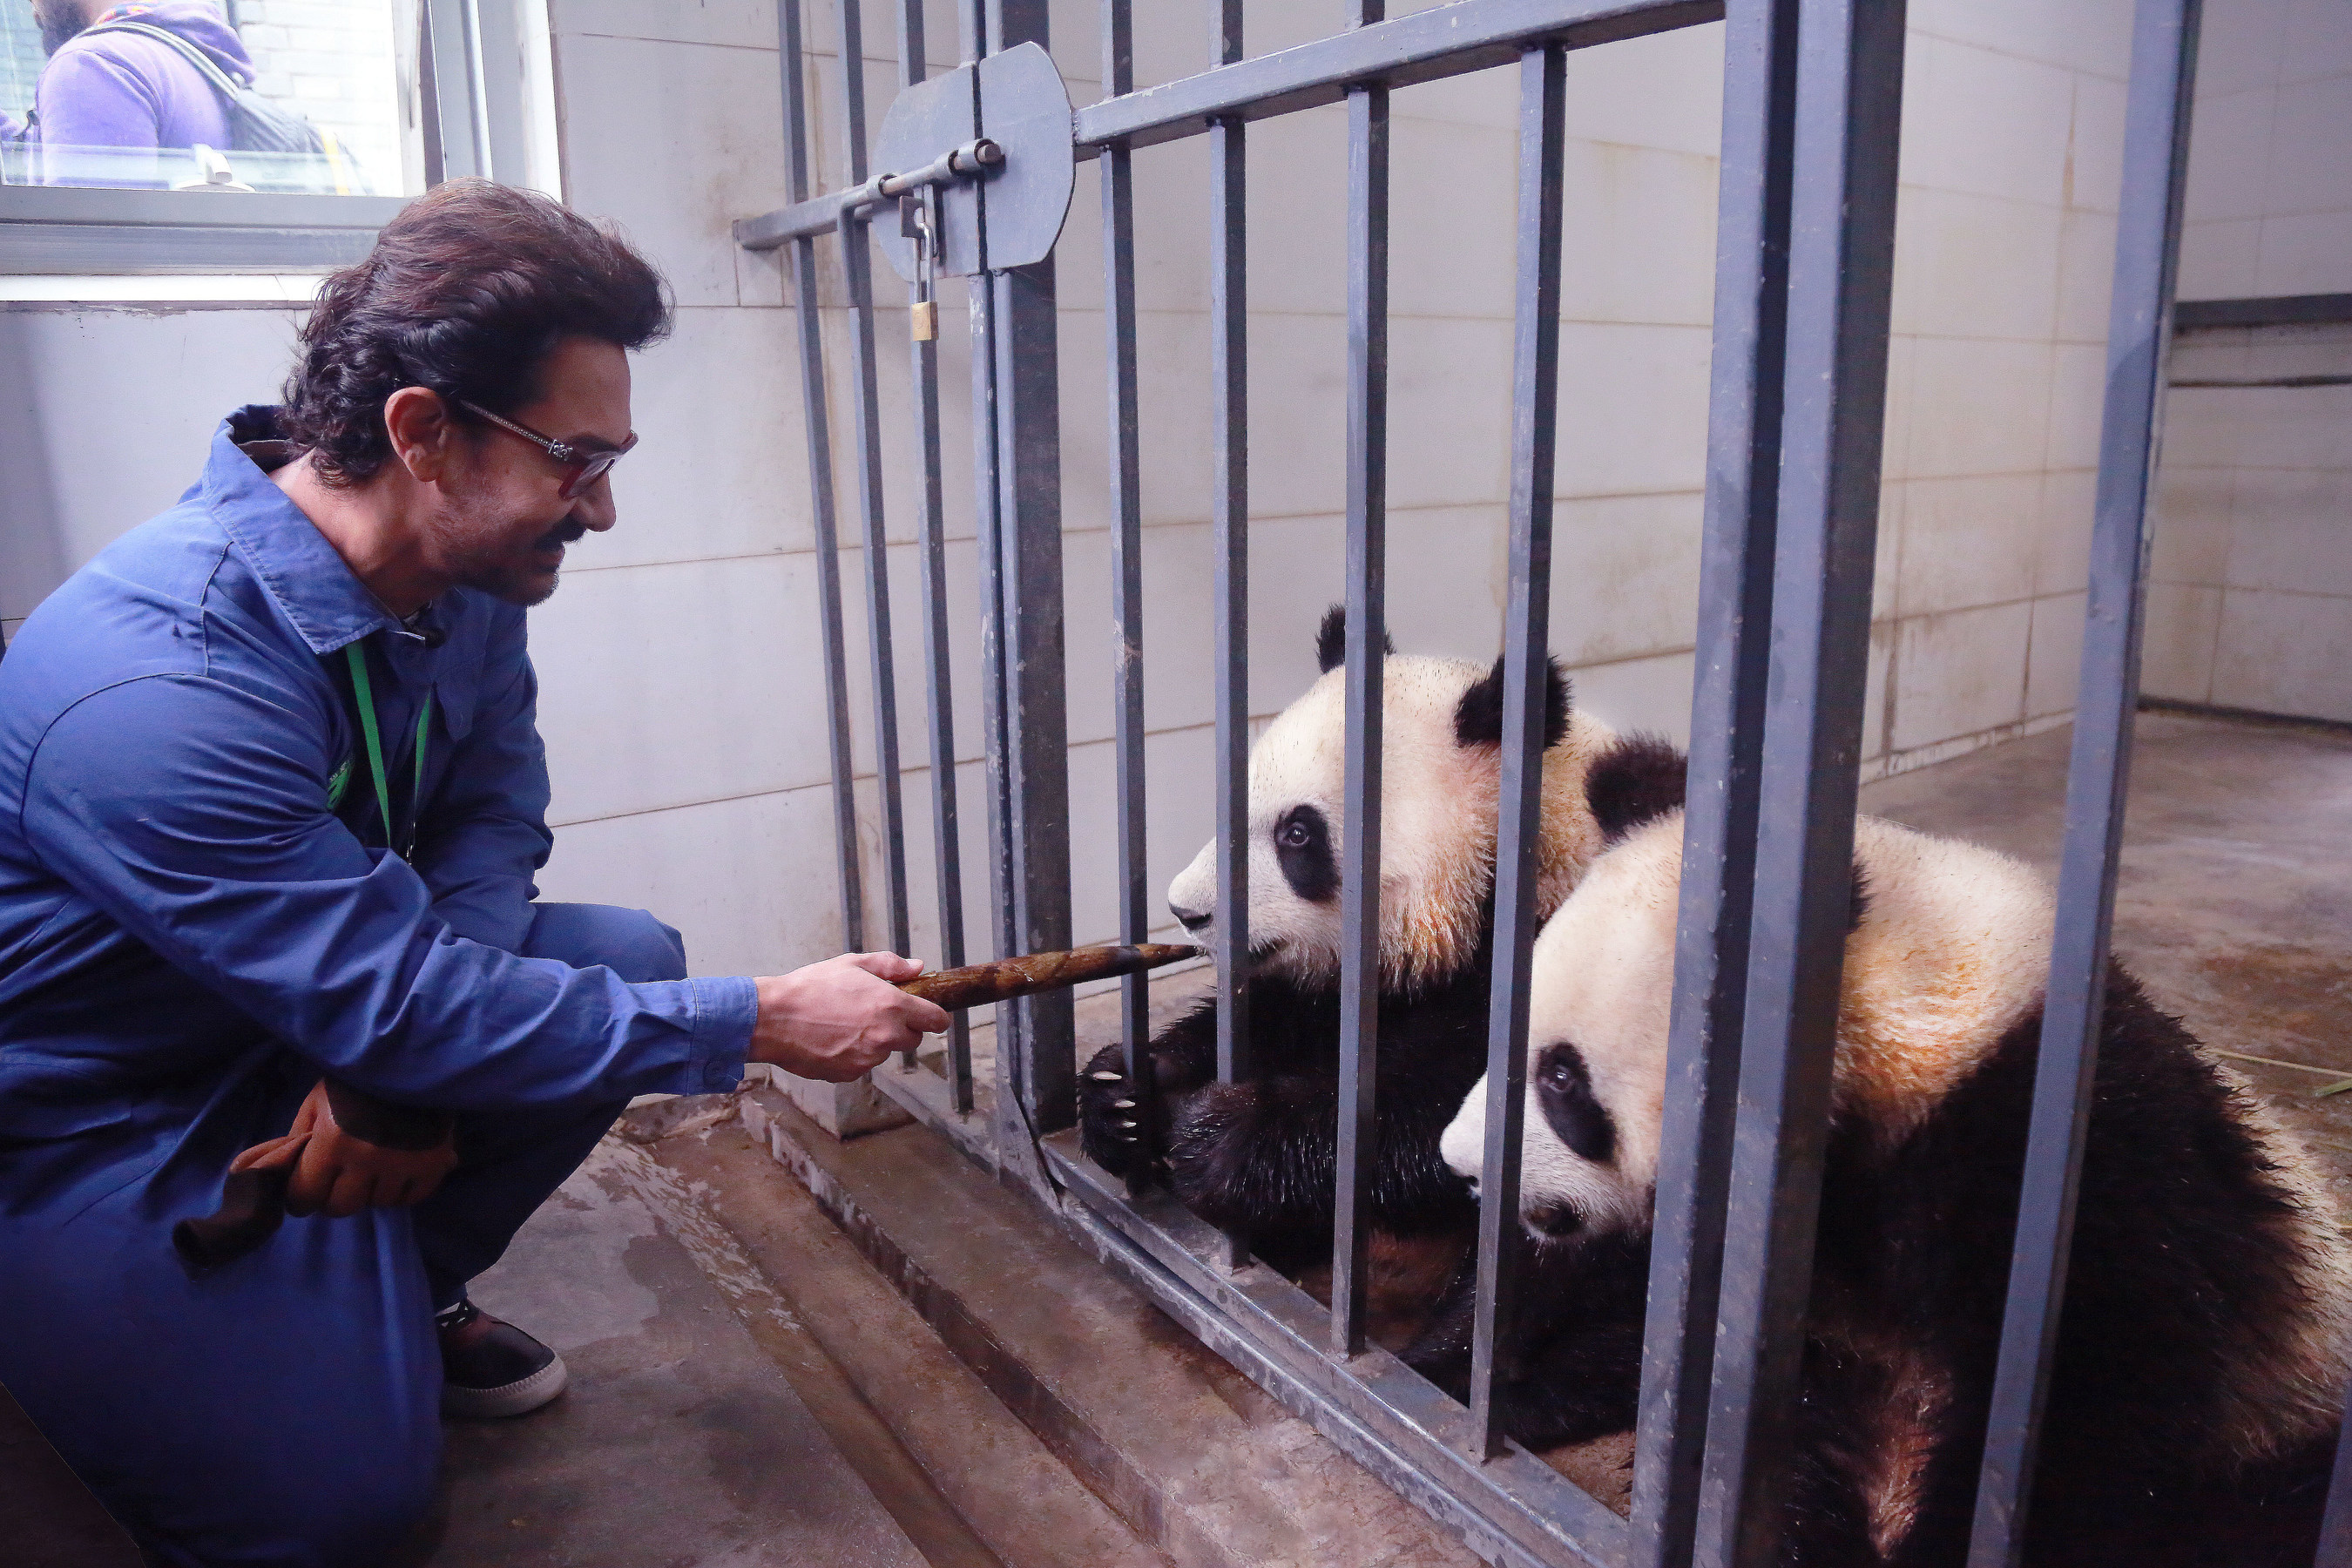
2139, 340
1037, 1041
1229, 376
1726, 762
811, 334
1849, 99
866, 424
1127, 584
1527, 637
938, 693
1360, 876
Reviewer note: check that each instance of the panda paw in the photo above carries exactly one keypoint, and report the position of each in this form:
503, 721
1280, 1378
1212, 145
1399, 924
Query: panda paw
1109, 1126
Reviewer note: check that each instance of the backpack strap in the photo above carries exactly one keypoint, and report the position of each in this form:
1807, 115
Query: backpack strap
209, 69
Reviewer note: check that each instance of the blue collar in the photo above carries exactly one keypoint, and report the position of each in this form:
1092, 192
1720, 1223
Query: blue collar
318, 593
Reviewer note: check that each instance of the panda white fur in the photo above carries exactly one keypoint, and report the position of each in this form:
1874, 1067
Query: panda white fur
2201, 1361
1259, 1156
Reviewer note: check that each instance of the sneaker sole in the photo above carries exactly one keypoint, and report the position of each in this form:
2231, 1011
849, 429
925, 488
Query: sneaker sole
520, 1397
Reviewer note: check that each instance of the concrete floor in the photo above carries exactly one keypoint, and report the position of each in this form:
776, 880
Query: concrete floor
682, 1443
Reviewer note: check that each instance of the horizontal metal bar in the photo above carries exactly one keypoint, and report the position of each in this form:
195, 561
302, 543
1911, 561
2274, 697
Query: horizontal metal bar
820, 214
1205, 1323
1444, 41
84, 249
1514, 1500
238, 210
2271, 381
2277, 310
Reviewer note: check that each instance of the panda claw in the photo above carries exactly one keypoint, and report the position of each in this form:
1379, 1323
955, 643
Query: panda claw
1122, 1105
1130, 1126
1107, 1077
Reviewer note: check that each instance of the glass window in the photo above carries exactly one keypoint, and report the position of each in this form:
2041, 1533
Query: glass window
296, 96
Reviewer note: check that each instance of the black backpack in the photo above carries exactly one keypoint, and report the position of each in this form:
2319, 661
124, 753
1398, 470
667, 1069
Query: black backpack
304, 158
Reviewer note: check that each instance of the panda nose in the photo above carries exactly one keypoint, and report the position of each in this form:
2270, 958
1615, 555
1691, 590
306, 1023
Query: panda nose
1193, 919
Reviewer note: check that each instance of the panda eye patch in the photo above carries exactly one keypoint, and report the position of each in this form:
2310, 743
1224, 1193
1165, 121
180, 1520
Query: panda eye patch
1564, 1091
1302, 843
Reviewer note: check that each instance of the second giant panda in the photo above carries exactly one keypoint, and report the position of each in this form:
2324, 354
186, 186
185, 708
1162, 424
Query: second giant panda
1259, 1156
2202, 1356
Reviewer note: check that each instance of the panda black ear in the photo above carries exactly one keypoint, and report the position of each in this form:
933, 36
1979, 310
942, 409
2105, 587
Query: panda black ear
1331, 640
1478, 718
1638, 778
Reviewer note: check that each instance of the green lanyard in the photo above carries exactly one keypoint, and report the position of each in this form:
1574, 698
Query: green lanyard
366, 691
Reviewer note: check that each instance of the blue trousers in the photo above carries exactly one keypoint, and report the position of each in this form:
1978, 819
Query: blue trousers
284, 1410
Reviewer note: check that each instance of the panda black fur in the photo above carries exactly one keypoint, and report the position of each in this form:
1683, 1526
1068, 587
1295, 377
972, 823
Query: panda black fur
2200, 1362
1260, 1156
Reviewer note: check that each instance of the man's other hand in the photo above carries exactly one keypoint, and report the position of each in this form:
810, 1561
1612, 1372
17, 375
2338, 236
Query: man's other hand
357, 1154
839, 1019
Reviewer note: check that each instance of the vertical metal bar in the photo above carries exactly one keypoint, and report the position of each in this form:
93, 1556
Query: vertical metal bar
1229, 379
1725, 765
453, 32
1040, 1047
2140, 339
912, 68
947, 839
1126, 583
1849, 97
827, 565
2336, 1526
865, 424
1359, 874
1527, 637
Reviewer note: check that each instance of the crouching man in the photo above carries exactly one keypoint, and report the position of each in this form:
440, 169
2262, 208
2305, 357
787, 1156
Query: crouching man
271, 798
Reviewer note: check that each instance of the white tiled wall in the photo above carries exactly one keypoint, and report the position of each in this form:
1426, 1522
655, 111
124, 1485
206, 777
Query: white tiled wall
2252, 599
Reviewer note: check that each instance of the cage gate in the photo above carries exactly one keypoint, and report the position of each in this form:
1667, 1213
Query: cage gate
976, 169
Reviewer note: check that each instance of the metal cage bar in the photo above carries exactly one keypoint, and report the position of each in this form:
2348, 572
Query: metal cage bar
1360, 863
865, 427
1035, 1037
1848, 98
1126, 588
810, 334
1725, 760
1527, 638
939, 694
1229, 384
2139, 341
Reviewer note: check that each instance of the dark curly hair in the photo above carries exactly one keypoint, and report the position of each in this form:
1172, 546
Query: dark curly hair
466, 292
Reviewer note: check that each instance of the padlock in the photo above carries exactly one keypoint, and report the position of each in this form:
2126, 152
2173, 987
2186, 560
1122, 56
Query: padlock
918, 220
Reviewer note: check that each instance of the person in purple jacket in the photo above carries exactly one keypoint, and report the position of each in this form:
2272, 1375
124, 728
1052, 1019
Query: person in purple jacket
107, 101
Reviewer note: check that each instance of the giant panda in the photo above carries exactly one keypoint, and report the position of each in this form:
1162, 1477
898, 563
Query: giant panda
2202, 1356
1259, 1156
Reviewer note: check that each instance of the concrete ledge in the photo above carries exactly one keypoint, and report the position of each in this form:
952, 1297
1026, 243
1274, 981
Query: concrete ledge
1192, 1456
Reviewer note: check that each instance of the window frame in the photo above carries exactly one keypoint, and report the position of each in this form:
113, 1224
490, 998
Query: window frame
475, 120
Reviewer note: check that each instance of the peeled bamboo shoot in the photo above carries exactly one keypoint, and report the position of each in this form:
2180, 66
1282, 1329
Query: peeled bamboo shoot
978, 984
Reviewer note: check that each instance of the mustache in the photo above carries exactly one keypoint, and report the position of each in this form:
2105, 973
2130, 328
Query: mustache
569, 530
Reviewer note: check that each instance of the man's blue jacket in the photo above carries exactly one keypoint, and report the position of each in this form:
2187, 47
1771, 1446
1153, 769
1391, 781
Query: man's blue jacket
193, 914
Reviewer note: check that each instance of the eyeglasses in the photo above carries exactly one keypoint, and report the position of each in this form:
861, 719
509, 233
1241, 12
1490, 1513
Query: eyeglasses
585, 468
